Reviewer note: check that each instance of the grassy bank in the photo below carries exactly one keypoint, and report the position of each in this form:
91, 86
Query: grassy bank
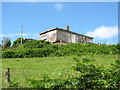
24, 68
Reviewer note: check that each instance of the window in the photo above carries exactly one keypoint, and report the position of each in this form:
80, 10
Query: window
44, 36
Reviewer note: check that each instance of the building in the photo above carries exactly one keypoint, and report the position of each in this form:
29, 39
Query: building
26, 39
64, 35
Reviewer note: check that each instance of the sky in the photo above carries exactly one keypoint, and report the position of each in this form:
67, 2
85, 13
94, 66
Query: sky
60, 0
95, 19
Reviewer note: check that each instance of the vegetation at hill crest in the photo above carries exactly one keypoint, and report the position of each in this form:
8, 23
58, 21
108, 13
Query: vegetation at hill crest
74, 65
41, 48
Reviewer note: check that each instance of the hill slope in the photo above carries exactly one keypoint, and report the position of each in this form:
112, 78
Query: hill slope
40, 48
24, 68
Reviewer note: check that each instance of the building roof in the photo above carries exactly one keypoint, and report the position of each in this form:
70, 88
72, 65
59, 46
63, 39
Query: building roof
64, 31
29, 39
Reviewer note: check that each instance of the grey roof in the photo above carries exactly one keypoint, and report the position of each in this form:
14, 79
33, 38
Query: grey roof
64, 31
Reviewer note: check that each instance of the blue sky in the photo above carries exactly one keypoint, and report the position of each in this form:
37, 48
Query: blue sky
97, 19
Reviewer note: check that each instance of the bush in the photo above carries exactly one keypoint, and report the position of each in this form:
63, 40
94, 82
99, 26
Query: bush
23, 53
18, 42
83, 49
36, 44
41, 48
8, 54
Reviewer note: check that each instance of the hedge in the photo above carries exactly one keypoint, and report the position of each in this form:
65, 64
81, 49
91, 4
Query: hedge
45, 49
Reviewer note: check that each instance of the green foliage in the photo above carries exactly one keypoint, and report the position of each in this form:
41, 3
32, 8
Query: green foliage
23, 53
97, 77
59, 72
36, 44
14, 85
18, 42
41, 48
8, 54
89, 77
84, 49
118, 47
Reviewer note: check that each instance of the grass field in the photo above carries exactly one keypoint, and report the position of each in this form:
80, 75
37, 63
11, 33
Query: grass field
23, 68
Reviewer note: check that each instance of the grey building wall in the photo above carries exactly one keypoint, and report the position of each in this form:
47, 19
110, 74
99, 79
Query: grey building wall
58, 35
72, 38
63, 36
49, 36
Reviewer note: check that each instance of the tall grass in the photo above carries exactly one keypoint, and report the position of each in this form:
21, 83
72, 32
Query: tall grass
24, 68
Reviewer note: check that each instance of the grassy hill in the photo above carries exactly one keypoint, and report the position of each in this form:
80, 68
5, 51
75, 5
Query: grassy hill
41, 48
36, 64
26, 68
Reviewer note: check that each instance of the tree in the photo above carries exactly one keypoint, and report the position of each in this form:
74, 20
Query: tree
6, 42
18, 42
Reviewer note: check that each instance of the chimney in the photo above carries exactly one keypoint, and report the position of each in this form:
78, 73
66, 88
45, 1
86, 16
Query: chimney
67, 28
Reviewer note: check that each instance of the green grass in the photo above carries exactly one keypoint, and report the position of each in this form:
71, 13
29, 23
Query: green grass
23, 68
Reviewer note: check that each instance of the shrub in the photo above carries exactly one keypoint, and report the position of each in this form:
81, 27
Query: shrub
36, 44
42, 52
41, 48
18, 42
8, 54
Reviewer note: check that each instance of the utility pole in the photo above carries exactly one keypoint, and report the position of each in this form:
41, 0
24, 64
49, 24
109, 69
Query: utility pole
21, 33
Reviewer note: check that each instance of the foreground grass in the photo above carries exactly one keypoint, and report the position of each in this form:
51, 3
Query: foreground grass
24, 68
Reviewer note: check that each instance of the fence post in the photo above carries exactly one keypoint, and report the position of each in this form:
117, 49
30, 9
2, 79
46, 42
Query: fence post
7, 74
60, 42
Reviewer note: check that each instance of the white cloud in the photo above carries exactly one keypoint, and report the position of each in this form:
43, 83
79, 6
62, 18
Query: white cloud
103, 32
24, 34
2, 35
36, 35
19, 34
58, 6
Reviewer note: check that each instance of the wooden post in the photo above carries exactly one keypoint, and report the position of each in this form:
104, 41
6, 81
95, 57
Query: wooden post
60, 42
7, 74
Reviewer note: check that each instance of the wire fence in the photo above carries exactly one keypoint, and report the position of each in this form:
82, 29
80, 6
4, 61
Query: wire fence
11, 75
